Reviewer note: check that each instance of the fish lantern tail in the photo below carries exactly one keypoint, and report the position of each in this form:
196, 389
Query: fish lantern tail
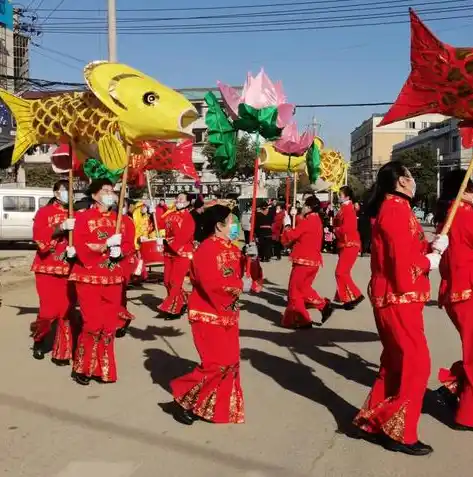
21, 110
313, 163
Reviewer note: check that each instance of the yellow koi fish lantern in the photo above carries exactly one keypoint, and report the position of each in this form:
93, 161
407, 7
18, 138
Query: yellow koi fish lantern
121, 107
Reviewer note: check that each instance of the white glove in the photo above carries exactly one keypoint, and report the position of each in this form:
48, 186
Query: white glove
68, 224
152, 209
114, 240
115, 251
434, 259
287, 221
143, 238
252, 250
71, 252
440, 243
293, 211
247, 281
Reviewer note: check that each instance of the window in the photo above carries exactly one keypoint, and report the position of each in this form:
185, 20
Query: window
410, 124
455, 143
44, 201
18, 204
198, 107
424, 125
199, 135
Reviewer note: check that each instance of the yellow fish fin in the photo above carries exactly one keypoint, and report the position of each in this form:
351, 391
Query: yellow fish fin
112, 153
25, 134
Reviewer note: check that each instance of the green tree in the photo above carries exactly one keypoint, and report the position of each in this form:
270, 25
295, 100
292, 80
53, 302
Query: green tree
356, 185
245, 159
41, 175
422, 163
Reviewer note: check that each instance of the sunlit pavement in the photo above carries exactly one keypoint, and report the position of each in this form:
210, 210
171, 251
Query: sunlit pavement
301, 391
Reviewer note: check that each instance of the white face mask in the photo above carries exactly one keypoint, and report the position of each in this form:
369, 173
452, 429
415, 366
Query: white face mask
124, 211
414, 188
64, 196
108, 200
181, 205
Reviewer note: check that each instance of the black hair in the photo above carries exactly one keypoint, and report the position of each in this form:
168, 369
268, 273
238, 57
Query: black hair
61, 183
450, 186
213, 216
386, 182
313, 203
348, 192
97, 184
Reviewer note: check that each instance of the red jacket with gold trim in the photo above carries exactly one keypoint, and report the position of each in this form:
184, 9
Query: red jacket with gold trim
180, 228
399, 267
306, 241
51, 256
216, 276
94, 264
456, 266
346, 226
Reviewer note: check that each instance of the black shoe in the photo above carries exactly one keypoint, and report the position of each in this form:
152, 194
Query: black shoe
38, 352
417, 449
446, 398
171, 317
121, 332
327, 312
351, 305
61, 362
305, 327
81, 379
461, 427
183, 416
366, 436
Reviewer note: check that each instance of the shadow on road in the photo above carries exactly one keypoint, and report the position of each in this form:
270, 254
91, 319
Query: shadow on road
152, 333
164, 367
300, 379
149, 300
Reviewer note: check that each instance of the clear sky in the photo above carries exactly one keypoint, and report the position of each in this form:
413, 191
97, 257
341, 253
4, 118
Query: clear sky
332, 65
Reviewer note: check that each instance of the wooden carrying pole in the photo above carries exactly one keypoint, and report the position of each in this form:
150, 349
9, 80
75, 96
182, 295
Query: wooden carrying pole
150, 195
294, 201
71, 192
453, 210
121, 200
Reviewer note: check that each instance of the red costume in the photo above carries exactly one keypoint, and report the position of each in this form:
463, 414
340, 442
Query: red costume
99, 280
178, 249
398, 290
348, 243
52, 271
129, 264
212, 391
456, 295
306, 243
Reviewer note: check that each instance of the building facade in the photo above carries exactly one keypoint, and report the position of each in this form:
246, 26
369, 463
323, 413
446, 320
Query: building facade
444, 140
371, 146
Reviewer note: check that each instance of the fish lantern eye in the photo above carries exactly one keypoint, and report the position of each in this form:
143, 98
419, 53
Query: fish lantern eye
150, 98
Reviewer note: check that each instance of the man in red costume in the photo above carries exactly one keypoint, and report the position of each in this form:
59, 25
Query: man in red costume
348, 244
99, 274
399, 288
51, 266
178, 249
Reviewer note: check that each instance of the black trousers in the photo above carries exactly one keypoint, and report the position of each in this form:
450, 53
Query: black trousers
264, 248
247, 236
277, 249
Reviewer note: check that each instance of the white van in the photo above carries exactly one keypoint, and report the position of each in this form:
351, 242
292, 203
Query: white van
18, 207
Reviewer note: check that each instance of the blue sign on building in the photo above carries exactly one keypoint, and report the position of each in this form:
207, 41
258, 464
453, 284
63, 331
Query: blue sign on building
6, 13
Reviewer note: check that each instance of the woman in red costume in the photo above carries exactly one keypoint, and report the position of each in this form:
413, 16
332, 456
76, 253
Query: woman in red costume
99, 274
348, 244
306, 243
178, 249
129, 264
398, 289
212, 391
456, 296
51, 266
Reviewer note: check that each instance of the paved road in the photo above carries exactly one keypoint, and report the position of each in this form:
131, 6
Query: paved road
301, 391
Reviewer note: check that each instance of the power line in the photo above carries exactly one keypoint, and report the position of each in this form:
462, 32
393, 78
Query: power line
62, 62
53, 11
173, 31
61, 53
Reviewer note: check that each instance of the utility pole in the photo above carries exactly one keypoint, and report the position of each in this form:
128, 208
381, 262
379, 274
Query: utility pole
439, 159
112, 30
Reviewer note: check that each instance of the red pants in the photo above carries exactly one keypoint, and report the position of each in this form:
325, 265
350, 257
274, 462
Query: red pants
395, 402
459, 379
124, 315
256, 273
99, 305
347, 291
213, 391
55, 302
175, 270
300, 294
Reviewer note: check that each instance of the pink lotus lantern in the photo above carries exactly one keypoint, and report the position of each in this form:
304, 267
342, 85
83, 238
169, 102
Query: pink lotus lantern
259, 93
292, 143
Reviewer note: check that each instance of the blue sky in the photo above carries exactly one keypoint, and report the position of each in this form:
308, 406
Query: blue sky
337, 65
